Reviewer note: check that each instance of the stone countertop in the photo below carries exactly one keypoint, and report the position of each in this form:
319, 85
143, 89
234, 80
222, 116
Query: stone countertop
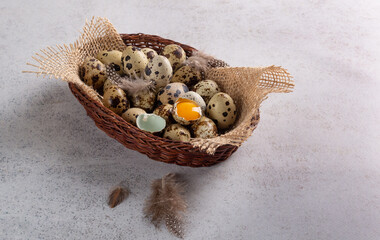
311, 169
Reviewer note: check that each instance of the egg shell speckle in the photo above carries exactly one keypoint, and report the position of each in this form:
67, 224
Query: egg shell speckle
193, 96
150, 53
108, 57
159, 70
106, 85
144, 99
206, 89
170, 93
116, 100
222, 110
165, 111
134, 61
175, 54
93, 72
187, 75
176, 132
131, 115
204, 128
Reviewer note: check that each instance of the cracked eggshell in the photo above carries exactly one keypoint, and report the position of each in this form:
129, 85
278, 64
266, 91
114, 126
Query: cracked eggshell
150, 122
204, 128
193, 96
108, 57
165, 111
187, 75
134, 61
175, 54
206, 89
176, 132
144, 100
170, 93
159, 70
195, 109
222, 110
131, 115
116, 100
150, 53
93, 72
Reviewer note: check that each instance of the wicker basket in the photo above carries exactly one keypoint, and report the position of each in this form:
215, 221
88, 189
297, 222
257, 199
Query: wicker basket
154, 147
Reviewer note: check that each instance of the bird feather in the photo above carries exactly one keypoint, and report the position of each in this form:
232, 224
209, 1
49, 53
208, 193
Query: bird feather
166, 204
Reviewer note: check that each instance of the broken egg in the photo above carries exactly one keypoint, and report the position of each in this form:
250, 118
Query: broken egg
186, 111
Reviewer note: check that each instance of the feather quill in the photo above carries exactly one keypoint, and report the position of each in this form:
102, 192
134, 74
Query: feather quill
129, 84
117, 195
166, 204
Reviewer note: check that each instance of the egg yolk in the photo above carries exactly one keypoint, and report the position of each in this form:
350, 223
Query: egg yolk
188, 110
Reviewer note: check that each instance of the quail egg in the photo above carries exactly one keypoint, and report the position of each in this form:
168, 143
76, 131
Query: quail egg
176, 132
165, 111
134, 61
159, 70
108, 57
106, 85
144, 100
207, 89
150, 122
131, 115
193, 96
150, 53
175, 54
204, 128
187, 75
116, 100
170, 93
186, 111
222, 109
93, 72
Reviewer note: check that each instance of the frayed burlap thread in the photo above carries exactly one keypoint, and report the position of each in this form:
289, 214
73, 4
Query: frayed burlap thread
247, 86
63, 61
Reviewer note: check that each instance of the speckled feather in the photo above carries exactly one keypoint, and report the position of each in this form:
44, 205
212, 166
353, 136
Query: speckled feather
202, 61
131, 85
166, 204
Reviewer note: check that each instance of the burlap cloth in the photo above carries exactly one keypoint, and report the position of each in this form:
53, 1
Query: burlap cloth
247, 86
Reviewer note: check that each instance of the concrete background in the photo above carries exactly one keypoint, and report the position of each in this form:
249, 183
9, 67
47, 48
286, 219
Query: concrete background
311, 170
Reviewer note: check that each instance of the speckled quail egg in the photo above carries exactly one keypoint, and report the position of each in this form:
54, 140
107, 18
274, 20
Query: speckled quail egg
165, 111
131, 115
204, 128
207, 89
93, 72
111, 57
106, 85
150, 53
116, 100
175, 54
150, 122
186, 111
170, 93
193, 96
159, 70
222, 109
187, 75
176, 132
144, 100
134, 61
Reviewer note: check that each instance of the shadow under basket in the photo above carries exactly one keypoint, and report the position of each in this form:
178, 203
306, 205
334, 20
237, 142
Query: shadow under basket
156, 148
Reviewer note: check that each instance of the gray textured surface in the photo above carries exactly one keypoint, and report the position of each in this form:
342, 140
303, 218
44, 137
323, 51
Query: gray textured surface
311, 170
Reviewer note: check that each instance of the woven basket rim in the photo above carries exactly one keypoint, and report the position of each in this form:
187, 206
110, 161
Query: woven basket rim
169, 151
